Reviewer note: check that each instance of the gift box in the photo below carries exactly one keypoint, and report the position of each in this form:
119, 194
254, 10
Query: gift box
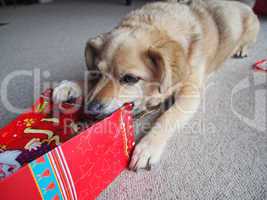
76, 168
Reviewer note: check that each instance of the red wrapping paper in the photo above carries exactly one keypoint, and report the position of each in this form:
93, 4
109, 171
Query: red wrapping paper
44, 122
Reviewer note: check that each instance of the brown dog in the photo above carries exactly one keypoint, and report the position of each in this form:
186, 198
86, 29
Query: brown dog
160, 50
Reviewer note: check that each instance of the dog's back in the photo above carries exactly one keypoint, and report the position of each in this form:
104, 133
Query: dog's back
221, 28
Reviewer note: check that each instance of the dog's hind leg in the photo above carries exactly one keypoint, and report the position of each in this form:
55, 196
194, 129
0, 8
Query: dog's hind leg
249, 36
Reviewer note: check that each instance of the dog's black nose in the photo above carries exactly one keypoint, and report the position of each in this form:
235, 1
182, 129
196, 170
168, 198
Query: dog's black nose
94, 107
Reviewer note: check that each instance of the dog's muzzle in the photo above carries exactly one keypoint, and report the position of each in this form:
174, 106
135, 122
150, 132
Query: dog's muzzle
95, 108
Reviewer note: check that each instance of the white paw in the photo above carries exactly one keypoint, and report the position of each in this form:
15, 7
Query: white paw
66, 91
241, 52
146, 153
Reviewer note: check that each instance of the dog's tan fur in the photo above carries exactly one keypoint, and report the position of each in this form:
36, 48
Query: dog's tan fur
174, 45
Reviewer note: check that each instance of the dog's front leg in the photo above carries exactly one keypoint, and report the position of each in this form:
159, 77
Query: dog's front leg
149, 150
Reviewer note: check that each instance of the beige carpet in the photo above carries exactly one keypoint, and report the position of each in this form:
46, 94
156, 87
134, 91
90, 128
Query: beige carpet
221, 155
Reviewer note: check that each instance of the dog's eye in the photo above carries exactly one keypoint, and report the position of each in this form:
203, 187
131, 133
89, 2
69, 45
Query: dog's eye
129, 79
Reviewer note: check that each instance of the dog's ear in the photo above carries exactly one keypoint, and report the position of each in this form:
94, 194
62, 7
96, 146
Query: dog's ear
92, 49
169, 63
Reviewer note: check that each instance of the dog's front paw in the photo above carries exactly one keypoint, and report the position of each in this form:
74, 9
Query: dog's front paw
66, 91
146, 153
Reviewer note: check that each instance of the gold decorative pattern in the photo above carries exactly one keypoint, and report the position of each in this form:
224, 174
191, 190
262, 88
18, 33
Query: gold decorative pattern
28, 122
124, 135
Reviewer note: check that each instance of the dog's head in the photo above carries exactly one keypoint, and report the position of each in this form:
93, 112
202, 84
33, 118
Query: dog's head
131, 67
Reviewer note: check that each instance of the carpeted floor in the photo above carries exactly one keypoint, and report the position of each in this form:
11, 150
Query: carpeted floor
222, 154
